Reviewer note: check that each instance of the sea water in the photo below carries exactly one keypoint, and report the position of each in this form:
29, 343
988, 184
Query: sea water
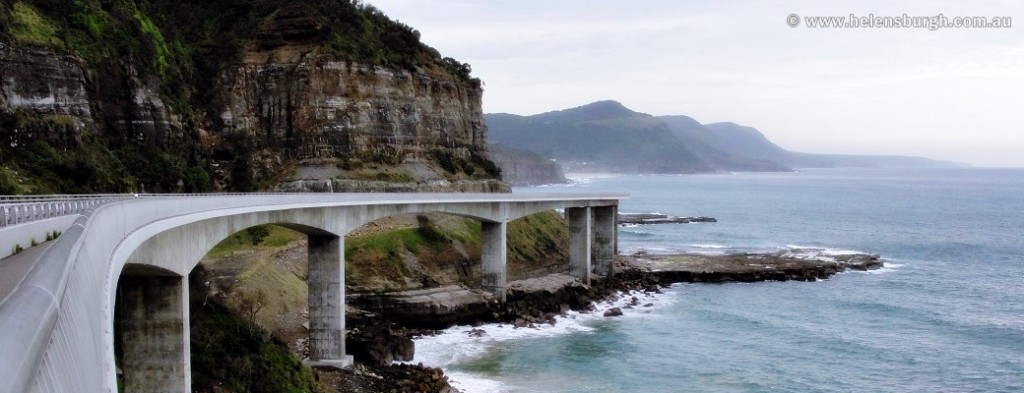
945, 315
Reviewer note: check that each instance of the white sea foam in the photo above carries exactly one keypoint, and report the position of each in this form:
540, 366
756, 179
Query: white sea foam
881, 270
822, 250
586, 178
648, 249
637, 231
812, 252
455, 345
709, 245
635, 213
469, 383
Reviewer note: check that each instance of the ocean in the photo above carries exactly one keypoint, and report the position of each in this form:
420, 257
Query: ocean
945, 315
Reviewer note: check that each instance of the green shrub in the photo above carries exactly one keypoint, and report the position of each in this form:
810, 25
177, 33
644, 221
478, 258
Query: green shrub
8, 183
446, 160
230, 353
28, 26
258, 233
486, 164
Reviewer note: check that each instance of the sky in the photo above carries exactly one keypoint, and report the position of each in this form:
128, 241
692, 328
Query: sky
953, 94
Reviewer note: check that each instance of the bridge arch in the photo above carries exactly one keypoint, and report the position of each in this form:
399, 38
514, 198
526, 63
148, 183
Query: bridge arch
177, 251
57, 326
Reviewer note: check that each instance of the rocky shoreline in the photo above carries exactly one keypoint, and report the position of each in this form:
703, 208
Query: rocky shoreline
658, 218
382, 325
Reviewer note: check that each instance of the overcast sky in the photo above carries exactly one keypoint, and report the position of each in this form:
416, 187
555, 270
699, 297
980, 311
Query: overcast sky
955, 94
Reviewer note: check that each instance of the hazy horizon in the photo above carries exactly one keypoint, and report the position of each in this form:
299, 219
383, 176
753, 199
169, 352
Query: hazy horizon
951, 94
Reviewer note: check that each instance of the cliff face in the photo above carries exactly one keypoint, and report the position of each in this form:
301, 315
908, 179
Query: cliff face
62, 90
45, 84
286, 109
64, 122
326, 108
342, 124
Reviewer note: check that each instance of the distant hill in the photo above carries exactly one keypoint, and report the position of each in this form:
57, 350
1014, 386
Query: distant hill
870, 161
749, 142
607, 136
740, 149
602, 136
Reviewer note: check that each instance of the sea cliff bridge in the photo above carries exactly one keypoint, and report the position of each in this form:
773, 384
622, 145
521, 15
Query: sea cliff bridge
58, 318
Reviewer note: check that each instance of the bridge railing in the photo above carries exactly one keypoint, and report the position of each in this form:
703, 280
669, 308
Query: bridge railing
20, 209
14, 212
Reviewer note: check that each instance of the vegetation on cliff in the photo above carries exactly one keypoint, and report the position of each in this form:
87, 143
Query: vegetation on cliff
230, 353
188, 42
179, 50
435, 250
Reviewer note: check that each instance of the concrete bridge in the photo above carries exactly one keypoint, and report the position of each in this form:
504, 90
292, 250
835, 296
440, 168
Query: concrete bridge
57, 326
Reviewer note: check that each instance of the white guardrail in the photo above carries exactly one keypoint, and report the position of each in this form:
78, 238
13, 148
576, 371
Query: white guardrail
16, 210
21, 209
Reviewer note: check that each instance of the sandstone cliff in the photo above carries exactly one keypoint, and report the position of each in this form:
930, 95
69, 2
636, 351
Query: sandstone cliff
278, 96
351, 127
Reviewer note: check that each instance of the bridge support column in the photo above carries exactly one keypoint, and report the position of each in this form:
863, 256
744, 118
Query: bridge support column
580, 231
605, 242
327, 302
494, 254
154, 334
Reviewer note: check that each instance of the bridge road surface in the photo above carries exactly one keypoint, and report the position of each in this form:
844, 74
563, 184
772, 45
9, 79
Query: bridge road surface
14, 268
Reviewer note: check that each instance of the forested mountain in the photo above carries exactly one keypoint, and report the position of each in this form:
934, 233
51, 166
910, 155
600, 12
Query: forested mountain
607, 136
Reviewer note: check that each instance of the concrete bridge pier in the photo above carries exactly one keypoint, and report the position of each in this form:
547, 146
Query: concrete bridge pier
605, 244
592, 240
580, 221
154, 339
327, 302
494, 255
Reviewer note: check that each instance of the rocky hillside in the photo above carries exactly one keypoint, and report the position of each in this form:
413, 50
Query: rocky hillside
731, 151
603, 136
526, 168
114, 96
607, 136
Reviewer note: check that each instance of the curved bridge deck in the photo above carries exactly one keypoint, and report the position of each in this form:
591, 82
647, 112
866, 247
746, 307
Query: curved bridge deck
57, 326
